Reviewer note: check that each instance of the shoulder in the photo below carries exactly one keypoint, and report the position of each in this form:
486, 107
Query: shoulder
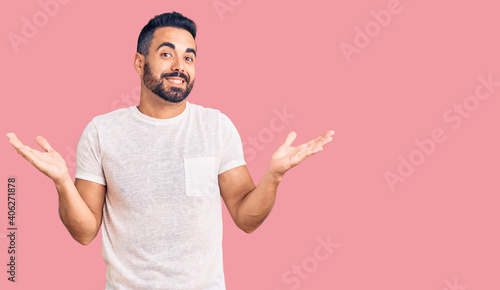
108, 121
112, 119
207, 114
204, 111
113, 115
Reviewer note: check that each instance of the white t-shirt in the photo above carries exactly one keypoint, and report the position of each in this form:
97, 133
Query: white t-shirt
162, 219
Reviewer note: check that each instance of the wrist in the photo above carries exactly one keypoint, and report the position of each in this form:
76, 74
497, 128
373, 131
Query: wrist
63, 181
275, 176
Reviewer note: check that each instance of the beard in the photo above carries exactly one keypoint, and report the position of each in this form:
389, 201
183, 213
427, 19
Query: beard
173, 94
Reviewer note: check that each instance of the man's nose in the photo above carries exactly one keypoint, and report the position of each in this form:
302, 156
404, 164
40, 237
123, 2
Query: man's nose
177, 65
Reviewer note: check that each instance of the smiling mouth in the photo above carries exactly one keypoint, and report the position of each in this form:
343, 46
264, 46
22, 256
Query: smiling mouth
176, 81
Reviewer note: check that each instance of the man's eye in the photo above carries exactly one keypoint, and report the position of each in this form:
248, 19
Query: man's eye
166, 54
189, 58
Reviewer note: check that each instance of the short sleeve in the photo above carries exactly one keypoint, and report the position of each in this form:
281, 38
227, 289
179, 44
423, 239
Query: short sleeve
232, 148
88, 156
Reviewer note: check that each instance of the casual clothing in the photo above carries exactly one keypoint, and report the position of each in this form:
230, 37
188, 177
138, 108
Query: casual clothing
162, 220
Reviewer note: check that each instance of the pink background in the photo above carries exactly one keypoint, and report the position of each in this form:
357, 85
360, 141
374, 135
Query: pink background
438, 229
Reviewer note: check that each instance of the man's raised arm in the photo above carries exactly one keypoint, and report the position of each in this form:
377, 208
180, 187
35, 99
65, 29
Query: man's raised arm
81, 203
249, 205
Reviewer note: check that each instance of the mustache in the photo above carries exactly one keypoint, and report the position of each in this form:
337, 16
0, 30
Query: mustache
176, 74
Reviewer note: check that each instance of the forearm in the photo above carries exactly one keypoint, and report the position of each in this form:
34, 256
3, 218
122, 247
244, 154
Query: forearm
75, 214
257, 204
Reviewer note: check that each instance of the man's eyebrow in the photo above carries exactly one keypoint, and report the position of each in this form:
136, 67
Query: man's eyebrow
172, 46
191, 50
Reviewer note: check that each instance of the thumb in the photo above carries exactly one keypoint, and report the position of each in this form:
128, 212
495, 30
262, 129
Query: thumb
289, 139
43, 143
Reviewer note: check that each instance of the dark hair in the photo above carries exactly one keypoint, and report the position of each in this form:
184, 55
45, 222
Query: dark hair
173, 19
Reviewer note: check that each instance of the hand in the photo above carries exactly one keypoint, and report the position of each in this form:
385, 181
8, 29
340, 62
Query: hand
49, 162
286, 156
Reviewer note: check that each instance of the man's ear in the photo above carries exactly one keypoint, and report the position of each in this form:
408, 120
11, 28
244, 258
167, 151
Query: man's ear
139, 61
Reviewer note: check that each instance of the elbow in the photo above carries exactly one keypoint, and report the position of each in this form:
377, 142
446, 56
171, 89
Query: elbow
83, 233
250, 223
84, 241
248, 229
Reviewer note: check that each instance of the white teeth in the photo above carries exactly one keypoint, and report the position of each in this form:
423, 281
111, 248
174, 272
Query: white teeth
176, 81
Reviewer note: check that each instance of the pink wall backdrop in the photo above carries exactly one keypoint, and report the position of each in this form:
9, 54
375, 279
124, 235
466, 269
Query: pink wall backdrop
405, 197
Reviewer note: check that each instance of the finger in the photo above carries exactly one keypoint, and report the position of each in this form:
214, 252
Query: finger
313, 141
303, 151
314, 146
28, 153
44, 144
14, 141
325, 138
316, 150
11, 135
327, 134
313, 150
308, 153
23, 150
324, 141
318, 142
289, 139
320, 138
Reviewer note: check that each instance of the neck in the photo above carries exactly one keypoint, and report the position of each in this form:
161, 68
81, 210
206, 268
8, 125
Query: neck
155, 107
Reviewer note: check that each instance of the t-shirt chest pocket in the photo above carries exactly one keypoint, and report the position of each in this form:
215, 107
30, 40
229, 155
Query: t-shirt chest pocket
201, 176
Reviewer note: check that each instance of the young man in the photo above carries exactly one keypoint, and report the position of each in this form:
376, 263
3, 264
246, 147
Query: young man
153, 174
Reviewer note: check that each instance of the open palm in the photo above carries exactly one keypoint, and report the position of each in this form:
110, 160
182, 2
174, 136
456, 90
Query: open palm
48, 162
286, 156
